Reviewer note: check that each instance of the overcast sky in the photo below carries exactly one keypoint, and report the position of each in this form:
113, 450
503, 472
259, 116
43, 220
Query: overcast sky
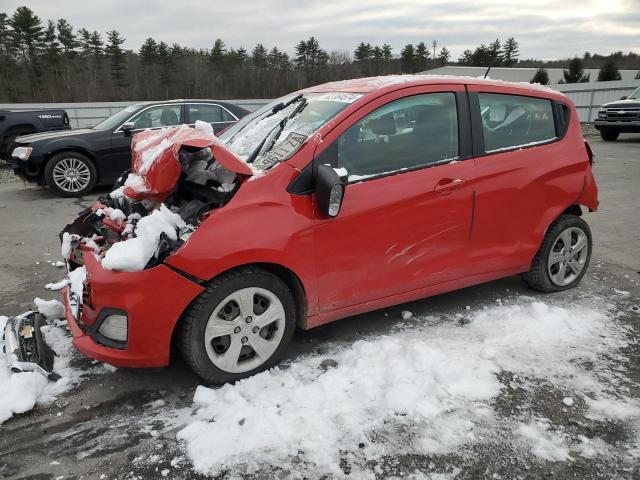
545, 29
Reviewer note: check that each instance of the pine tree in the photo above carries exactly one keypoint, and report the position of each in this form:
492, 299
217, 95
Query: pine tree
510, 52
259, 56
218, 52
443, 56
609, 71
494, 54
466, 58
421, 57
575, 74
148, 51
408, 59
166, 67
387, 52
117, 58
52, 51
541, 76
67, 38
27, 33
363, 56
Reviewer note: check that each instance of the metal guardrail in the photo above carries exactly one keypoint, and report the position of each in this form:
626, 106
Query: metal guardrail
87, 113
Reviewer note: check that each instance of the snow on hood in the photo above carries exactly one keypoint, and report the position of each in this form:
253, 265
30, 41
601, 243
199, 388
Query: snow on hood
155, 167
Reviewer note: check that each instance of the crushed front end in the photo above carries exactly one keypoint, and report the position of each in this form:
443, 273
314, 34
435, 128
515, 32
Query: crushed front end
121, 301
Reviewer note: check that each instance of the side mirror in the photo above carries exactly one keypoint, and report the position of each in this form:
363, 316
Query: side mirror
329, 191
624, 97
127, 127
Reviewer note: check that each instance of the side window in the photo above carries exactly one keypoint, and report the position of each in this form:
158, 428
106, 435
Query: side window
205, 113
155, 117
411, 132
510, 121
226, 116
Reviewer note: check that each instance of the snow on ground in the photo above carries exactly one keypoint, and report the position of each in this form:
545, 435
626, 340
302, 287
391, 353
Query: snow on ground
428, 388
22, 391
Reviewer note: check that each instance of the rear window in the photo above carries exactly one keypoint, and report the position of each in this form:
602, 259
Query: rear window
512, 121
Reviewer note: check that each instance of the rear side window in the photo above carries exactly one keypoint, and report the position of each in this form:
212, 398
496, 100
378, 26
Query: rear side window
411, 132
511, 121
205, 113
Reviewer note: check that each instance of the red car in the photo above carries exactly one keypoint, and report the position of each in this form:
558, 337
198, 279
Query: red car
333, 201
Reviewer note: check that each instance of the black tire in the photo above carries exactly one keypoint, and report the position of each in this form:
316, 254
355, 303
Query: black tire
85, 164
609, 135
190, 335
539, 277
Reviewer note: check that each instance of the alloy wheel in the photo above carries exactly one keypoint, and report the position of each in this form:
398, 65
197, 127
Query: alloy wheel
71, 175
568, 256
244, 330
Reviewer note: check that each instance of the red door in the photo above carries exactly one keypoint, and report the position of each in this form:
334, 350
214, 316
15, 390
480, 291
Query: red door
526, 178
401, 231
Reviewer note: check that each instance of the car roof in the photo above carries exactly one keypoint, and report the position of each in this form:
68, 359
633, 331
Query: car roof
394, 82
235, 109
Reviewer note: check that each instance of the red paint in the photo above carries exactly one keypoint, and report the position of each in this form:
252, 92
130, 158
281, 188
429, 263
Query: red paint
397, 238
163, 174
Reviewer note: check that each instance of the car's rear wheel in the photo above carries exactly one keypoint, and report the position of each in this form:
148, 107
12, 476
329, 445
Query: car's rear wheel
609, 135
239, 326
563, 257
70, 174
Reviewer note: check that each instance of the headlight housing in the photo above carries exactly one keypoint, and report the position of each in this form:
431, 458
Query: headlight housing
23, 153
602, 113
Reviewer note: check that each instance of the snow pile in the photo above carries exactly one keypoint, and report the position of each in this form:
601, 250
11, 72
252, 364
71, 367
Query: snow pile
433, 385
49, 308
75, 280
114, 214
22, 391
132, 255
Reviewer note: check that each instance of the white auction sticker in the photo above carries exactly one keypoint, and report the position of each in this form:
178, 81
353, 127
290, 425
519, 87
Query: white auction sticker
343, 97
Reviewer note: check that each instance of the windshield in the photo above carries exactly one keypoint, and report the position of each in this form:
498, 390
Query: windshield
635, 95
117, 119
246, 136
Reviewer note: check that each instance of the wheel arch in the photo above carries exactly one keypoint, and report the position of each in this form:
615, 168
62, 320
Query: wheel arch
75, 149
288, 276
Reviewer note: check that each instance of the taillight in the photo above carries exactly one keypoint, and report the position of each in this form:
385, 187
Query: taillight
589, 152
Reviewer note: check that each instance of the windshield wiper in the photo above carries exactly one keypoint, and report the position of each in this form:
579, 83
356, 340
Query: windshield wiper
275, 132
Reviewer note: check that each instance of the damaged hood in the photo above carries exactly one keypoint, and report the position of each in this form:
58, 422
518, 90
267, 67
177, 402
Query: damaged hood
155, 164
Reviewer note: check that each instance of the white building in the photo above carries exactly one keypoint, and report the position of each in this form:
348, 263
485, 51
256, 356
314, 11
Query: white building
518, 74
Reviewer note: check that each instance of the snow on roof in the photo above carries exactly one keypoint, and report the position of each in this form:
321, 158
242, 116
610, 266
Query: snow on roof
369, 84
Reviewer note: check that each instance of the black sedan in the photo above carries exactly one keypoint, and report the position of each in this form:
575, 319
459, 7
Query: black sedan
72, 162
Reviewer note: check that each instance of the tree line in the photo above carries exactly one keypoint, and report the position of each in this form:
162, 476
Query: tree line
52, 62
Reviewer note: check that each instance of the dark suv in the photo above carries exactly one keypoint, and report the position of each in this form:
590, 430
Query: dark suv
72, 162
620, 116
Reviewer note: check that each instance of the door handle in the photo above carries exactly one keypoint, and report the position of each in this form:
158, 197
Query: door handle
447, 185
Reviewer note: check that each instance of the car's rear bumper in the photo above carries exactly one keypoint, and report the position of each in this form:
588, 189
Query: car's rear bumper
620, 126
153, 300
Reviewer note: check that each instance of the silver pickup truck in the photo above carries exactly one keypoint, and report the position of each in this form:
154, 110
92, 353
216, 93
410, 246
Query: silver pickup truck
621, 116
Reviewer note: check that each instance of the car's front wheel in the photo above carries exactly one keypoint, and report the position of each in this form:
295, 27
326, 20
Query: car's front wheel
563, 257
70, 174
239, 326
609, 135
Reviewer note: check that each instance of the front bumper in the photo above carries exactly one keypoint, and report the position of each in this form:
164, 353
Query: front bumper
30, 169
621, 125
153, 300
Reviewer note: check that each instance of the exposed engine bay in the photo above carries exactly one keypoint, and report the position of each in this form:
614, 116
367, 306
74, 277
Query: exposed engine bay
178, 176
